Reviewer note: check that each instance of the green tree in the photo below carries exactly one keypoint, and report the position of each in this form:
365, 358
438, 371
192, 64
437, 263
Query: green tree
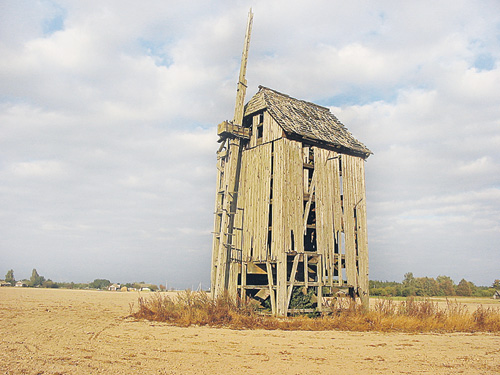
408, 285
446, 286
463, 288
409, 279
36, 279
426, 286
473, 288
50, 284
496, 284
9, 277
100, 284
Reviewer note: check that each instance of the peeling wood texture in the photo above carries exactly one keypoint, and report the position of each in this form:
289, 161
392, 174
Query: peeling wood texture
299, 219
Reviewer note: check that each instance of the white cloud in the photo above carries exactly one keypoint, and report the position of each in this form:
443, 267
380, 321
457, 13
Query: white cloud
108, 114
39, 168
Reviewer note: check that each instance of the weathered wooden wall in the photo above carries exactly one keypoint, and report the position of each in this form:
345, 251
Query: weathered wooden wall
328, 212
281, 182
254, 202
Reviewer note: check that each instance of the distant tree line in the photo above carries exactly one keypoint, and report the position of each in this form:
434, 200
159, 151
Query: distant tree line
410, 286
34, 281
430, 287
37, 281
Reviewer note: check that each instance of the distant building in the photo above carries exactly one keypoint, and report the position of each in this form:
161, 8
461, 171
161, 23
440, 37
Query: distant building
497, 294
114, 287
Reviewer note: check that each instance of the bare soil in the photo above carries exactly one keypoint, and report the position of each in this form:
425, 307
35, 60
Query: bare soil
51, 331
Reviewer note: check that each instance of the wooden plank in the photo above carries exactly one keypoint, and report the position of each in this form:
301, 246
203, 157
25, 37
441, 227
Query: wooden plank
337, 214
226, 129
324, 170
277, 214
292, 279
272, 131
217, 219
243, 292
297, 192
281, 284
307, 209
320, 286
252, 268
361, 232
242, 82
264, 198
306, 270
256, 164
282, 210
234, 269
277, 242
305, 160
348, 177
272, 294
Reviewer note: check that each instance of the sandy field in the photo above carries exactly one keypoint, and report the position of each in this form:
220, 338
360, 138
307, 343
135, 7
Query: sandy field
51, 331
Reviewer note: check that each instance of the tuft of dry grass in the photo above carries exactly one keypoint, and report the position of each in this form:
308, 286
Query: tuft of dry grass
409, 316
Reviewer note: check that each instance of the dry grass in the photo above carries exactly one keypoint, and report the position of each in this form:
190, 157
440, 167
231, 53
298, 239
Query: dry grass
197, 308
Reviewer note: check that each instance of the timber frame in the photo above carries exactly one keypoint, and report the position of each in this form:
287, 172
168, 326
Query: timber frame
290, 205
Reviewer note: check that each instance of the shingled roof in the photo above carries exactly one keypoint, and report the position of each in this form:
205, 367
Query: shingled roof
306, 120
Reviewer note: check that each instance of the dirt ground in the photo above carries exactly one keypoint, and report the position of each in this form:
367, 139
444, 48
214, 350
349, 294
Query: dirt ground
51, 331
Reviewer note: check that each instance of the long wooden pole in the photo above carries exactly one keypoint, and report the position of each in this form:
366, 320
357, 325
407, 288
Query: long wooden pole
231, 182
242, 82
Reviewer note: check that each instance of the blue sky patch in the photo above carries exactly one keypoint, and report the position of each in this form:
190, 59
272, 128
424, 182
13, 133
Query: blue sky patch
484, 61
55, 20
157, 50
359, 96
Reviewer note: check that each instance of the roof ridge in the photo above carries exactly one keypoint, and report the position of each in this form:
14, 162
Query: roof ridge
307, 119
291, 97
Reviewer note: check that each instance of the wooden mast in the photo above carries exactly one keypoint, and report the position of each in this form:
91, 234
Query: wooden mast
242, 82
225, 259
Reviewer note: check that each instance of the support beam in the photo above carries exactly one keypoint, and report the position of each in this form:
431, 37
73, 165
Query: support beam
309, 201
292, 280
272, 295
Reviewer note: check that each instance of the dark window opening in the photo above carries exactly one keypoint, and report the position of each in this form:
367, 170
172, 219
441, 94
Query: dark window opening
310, 240
247, 121
260, 131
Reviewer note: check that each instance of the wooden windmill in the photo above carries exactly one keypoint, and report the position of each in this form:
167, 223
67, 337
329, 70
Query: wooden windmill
290, 208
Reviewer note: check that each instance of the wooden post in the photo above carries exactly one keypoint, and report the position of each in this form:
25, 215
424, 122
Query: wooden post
230, 185
243, 293
272, 295
242, 82
306, 271
292, 281
320, 284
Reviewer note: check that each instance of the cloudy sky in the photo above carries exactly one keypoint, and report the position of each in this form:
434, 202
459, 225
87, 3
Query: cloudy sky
108, 112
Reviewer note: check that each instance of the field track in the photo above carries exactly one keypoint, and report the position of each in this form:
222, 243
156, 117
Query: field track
51, 331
